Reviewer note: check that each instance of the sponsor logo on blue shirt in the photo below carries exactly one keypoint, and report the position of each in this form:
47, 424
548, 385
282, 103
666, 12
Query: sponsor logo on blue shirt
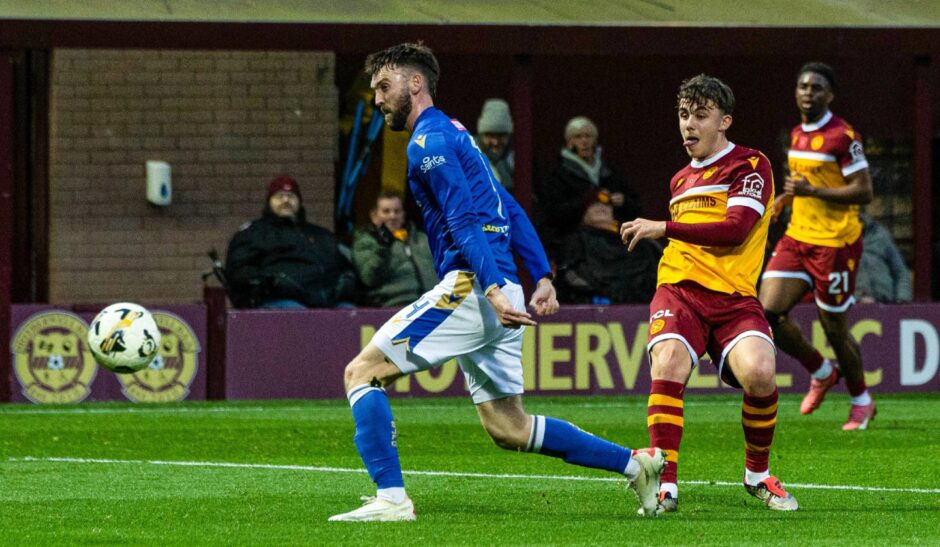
430, 162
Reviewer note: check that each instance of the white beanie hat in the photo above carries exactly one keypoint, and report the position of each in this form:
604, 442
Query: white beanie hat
495, 117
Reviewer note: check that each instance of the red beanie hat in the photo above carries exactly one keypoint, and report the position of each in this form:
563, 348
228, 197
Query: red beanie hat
283, 183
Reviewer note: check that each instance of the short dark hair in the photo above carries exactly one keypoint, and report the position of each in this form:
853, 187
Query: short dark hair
413, 55
389, 194
822, 69
703, 88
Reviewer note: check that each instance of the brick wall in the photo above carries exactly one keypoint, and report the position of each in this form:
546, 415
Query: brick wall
226, 122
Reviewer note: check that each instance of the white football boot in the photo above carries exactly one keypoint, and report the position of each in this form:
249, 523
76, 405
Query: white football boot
376, 509
773, 494
646, 485
667, 504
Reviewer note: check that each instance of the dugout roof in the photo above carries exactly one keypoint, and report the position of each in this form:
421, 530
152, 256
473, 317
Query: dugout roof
681, 13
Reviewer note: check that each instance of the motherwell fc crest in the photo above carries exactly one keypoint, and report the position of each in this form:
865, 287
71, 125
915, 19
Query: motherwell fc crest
51, 358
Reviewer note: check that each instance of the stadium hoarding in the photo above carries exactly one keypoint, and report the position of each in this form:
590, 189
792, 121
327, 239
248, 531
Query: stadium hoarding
52, 362
582, 350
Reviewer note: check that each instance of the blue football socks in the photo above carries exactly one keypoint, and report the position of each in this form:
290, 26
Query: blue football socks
375, 435
561, 439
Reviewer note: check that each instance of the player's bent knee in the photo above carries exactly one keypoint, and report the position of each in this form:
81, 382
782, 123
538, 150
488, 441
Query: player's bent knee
353, 375
671, 361
758, 377
365, 368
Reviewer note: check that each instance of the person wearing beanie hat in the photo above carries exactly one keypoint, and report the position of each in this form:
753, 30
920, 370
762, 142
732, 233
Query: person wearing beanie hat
494, 133
495, 117
560, 196
282, 261
284, 196
283, 183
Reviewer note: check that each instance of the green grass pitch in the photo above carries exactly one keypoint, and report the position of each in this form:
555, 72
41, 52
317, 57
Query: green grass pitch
272, 472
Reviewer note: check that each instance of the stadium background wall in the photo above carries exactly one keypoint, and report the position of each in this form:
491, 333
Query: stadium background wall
582, 350
226, 121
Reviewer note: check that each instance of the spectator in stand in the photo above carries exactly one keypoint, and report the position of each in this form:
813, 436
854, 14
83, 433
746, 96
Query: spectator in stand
580, 173
391, 256
282, 261
882, 275
594, 267
494, 134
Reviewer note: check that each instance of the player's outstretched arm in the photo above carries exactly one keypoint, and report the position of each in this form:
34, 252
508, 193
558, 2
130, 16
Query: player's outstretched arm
544, 301
509, 316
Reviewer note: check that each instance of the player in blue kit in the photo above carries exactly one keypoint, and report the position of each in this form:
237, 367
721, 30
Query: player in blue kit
476, 313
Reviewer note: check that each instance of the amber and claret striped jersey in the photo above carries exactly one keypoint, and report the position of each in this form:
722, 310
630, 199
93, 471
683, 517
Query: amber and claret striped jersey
825, 152
702, 192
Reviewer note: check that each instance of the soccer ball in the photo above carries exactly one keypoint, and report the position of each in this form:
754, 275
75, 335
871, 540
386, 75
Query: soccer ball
124, 337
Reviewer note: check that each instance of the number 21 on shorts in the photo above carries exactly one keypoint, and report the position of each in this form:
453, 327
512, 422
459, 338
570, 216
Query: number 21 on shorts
838, 282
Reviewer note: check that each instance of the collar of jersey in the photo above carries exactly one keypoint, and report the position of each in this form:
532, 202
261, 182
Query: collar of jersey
816, 125
698, 164
426, 115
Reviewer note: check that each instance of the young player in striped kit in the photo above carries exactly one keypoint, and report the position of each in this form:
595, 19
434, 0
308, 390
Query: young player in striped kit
706, 295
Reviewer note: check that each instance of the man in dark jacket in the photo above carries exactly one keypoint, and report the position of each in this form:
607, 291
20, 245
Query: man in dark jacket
561, 195
595, 267
282, 261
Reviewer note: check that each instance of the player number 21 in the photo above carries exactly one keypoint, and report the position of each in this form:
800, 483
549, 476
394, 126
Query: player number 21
838, 282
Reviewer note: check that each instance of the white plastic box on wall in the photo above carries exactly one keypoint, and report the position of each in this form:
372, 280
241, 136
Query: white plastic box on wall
159, 183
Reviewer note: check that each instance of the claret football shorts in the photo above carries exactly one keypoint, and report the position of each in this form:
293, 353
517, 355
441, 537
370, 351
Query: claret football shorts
454, 319
706, 322
830, 271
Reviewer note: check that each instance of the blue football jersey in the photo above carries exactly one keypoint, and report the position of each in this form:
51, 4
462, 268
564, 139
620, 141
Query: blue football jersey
472, 222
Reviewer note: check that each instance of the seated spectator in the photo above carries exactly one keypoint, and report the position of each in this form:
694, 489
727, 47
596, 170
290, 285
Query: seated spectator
494, 132
391, 256
882, 274
595, 267
282, 261
581, 172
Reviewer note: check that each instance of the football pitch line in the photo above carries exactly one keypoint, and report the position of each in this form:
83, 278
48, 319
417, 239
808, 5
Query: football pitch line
320, 469
633, 402
28, 410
